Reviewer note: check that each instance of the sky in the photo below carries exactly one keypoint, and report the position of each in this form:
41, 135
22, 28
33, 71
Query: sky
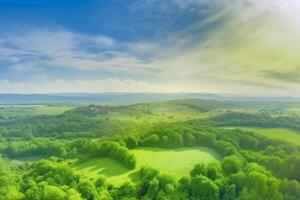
242, 47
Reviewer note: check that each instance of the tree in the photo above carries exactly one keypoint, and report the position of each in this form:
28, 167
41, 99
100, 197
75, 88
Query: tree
203, 188
199, 169
151, 140
188, 139
87, 190
73, 194
254, 182
153, 188
232, 164
214, 171
125, 191
51, 192
291, 167
131, 142
72, 153
290, 189
100, 182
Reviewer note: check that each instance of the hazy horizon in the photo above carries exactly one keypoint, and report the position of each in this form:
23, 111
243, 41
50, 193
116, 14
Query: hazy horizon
154, 93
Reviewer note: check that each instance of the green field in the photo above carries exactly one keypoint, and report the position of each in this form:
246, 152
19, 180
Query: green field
52, 109
19, 111
115, 172
285, 134
294, 110
176, 162
161, 115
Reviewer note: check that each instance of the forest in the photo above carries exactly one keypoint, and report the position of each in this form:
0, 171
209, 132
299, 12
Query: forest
96, 152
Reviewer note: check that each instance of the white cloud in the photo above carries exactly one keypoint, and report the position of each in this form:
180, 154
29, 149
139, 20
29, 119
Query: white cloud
251, 37
42, 42
120, 63
60, 48
227, 51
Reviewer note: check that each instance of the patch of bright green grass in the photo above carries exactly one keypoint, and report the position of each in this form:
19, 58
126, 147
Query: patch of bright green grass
52, 109
176, 162
285, 134
18, 111
166, 116
114, 171
294, 110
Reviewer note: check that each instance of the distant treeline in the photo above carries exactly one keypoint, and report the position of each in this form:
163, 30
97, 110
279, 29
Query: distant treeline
68, 125
257, 120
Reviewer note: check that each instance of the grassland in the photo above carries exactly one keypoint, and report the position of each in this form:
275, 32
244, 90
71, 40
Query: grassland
176, 162
151, 113
287, 135
294, 110
52, 109
18, 111
114, 171
160, 116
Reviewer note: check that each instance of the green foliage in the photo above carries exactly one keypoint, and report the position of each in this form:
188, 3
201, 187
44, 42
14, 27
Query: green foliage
9, 187
290, 167
253, 166
156, 186
254, 182
131, 142
151, 140
126, 191
257, 120
110, 149
203, 188
232, 164
54, 172
199, 169
35, 147
290, 189
67, 125
88, 190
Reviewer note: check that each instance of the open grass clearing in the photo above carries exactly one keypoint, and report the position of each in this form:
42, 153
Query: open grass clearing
18, 111
285, 134
176, 162
52, 109
161, 116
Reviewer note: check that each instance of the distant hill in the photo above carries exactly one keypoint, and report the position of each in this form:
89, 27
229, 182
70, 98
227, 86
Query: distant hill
124, 98
89, 98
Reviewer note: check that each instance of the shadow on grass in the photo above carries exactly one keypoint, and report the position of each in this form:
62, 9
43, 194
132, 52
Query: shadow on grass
102, 166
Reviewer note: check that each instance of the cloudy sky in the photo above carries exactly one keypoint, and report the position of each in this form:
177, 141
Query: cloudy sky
248, 47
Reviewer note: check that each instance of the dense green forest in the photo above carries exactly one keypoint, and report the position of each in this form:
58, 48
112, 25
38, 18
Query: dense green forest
40, 152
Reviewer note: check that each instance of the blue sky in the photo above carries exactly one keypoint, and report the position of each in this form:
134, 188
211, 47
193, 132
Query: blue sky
217, 46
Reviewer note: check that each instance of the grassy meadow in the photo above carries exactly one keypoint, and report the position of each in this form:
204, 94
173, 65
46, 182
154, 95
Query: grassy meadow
176, 162
164, 113
21, 111
285, 134
52, 109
